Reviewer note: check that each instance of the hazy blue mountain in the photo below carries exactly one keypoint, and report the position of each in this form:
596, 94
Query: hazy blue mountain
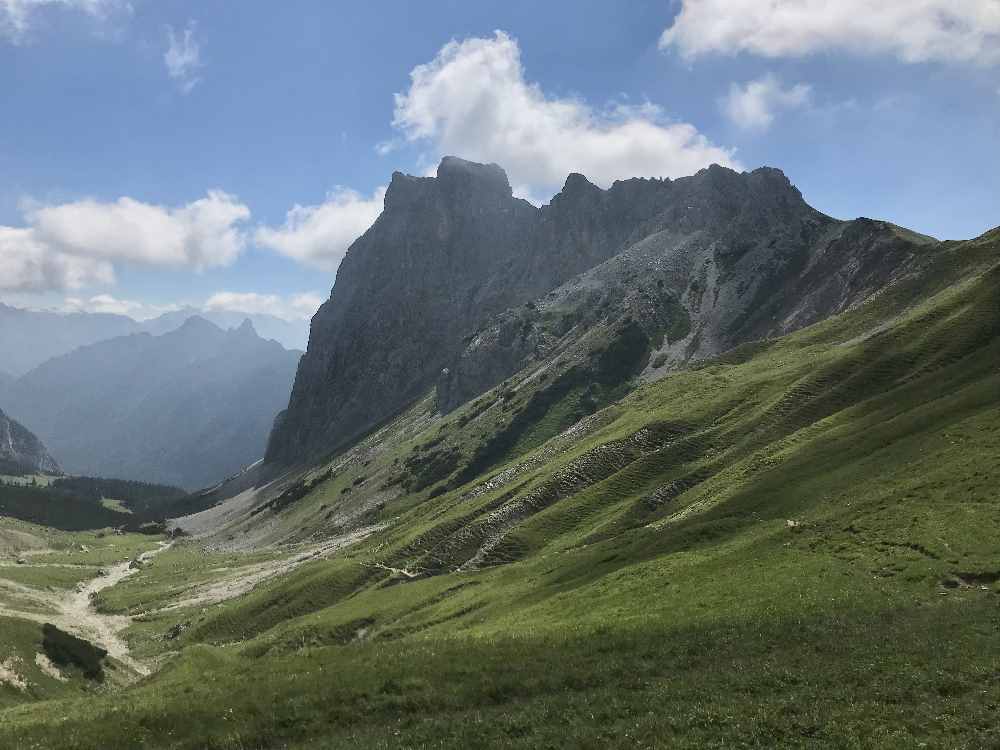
290, 334
186, 408
29, 337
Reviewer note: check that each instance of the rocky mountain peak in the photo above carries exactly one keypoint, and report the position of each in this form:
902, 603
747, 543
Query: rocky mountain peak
247, 329
195, 324
451, 253
458, 186
456, 175
576, 188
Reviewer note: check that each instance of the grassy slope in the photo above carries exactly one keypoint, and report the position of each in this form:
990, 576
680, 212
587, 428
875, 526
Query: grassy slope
655, 592
56, 562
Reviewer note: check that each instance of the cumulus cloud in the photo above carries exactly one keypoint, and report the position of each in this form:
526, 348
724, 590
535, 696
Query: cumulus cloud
914, 31
74, 245
753, 106
17, 16
295, 307
473, 100
183, 57
320, 235
201, 234
30, 265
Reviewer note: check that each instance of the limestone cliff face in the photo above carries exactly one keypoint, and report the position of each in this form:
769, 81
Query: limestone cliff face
724, 259
21, 451
459, 285
436, 264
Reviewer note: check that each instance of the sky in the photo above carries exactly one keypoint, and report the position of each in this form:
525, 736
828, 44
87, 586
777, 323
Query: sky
225, 155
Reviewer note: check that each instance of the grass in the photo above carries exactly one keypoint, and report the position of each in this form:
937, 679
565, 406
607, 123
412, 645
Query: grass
49, 576
23, 642
792, 546
116, 505
95, 548
173, 574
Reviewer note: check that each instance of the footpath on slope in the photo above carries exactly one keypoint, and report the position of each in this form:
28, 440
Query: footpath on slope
74, 612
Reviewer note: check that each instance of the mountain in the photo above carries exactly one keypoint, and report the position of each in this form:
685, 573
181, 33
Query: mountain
29, 337
790, 544
459, 285
443, 253
21, 452
290, 334
186, 408
733, 485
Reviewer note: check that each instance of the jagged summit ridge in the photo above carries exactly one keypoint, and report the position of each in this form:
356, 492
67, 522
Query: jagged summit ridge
451, 253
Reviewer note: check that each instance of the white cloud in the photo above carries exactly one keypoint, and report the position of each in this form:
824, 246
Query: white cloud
320, 235
17, 16
753, 106
183, 57
911, 30
473, 100
201, 234
33, 266
105, 303
296, 307
74, 245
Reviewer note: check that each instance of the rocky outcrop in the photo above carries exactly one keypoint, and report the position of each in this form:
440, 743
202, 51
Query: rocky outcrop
730, 258
21, 452
435, 265
459, 285
446, 255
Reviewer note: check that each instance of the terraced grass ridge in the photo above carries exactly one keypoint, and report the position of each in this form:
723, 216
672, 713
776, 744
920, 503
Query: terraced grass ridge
794, 545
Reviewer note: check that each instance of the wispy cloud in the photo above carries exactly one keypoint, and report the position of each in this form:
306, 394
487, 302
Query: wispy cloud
106, 303
183, 57
18, 17
294, 307
754, 105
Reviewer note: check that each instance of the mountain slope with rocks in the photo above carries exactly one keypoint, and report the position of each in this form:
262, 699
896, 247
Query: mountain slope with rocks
21, 452
459, 285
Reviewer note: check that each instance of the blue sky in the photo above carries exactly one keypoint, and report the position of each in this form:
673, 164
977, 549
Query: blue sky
162, 153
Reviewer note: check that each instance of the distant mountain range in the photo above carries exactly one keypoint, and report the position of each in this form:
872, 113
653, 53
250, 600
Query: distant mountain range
30, 337
185, 408
290, 334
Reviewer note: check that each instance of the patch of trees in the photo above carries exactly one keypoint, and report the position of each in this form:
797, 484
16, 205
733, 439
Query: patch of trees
67, 650
139, 497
